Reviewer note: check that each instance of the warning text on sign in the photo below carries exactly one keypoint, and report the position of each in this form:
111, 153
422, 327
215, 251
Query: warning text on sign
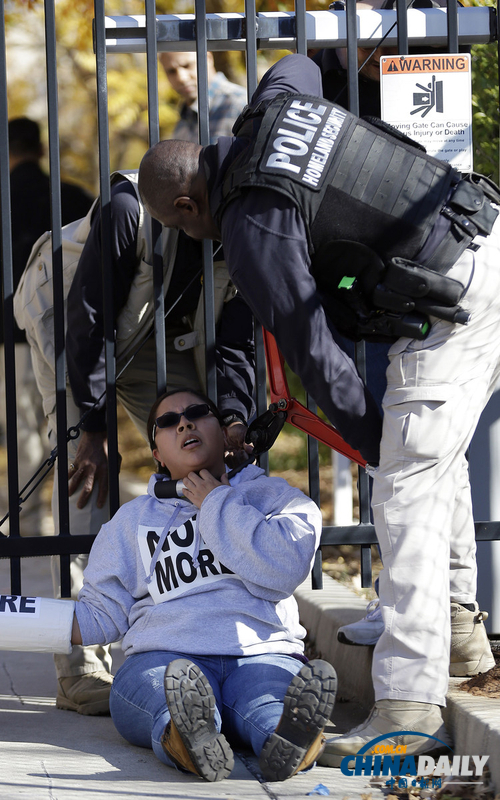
429, 99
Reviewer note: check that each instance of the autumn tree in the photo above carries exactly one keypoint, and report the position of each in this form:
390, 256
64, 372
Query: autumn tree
126, 77
76, 69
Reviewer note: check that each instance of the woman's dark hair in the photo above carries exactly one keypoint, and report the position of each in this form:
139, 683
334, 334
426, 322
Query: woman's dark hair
154, 411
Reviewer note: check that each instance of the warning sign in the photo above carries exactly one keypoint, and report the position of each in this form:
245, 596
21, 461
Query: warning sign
429, 99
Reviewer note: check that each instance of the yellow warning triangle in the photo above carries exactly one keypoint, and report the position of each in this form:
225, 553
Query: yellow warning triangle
393, 67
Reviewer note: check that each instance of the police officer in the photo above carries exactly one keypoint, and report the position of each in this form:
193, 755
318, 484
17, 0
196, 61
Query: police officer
326, 222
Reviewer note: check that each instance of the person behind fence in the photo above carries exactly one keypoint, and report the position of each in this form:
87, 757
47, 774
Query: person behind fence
225, 99
199, 588
333, 65
30, 218
84, 676
330, 223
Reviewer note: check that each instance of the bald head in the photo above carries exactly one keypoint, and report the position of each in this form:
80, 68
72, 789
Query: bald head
173, 187
167, 171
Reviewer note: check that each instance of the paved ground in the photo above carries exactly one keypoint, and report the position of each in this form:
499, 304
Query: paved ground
59, 755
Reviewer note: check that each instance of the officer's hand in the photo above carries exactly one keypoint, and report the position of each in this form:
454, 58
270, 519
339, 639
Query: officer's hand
90, 465
237, 450
196, 487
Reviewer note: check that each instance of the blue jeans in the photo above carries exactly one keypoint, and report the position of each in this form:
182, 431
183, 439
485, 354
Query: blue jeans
249, 694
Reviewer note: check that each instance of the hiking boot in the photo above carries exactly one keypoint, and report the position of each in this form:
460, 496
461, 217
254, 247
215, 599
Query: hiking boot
298, 739
470, 646
191, 739
365, 631
86, 694
392, 716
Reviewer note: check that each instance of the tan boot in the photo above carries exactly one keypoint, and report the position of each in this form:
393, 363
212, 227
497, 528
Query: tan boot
470, 647
191, 739
406, 720
298, 739
86, 694
175, 749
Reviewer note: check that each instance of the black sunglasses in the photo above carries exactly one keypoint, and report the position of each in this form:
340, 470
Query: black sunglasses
196, 411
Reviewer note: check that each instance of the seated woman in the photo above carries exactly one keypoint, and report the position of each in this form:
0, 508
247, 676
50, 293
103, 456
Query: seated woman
200, 590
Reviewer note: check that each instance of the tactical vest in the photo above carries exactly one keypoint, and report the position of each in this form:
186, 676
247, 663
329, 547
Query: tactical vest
367, 195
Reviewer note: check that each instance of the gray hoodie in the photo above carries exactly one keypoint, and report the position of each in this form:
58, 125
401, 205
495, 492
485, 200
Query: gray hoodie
164, 575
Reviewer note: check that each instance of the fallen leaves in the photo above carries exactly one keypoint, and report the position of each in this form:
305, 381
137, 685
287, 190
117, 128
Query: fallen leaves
485, 685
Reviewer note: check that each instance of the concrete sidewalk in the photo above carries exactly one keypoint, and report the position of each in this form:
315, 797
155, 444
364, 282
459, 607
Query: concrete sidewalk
59, 755
472, 721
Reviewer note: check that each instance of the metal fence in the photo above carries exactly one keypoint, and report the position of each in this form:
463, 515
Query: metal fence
250, 32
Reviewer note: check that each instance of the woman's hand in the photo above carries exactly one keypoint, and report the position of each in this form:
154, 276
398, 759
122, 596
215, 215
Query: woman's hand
198, 486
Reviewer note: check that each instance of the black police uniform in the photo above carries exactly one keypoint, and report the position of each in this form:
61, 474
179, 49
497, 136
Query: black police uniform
318, 191
266, 250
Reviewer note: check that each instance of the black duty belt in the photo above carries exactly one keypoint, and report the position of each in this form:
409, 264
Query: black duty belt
468, 213
381, 301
